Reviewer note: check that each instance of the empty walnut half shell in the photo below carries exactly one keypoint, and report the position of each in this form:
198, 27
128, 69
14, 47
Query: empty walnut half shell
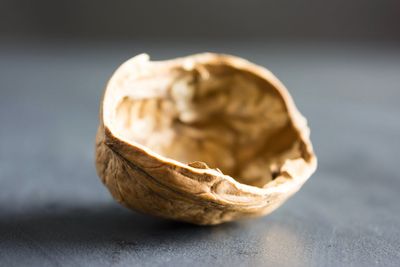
204, 139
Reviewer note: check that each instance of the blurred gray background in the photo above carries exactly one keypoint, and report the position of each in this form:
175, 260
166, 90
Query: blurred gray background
340, 20
340, 61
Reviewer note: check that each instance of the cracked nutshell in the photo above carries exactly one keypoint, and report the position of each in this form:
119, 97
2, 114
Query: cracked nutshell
204, 139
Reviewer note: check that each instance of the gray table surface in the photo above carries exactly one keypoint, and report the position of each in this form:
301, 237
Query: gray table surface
55, 212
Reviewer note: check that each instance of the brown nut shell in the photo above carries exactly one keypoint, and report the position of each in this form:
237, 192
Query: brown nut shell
204, 139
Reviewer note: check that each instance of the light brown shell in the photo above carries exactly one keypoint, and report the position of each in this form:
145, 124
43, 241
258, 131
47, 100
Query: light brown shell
204, 139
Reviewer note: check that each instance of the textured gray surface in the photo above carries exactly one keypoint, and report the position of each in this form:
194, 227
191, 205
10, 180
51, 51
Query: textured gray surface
55, 212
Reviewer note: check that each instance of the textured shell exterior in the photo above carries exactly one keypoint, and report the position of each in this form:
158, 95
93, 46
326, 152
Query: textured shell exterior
147, 182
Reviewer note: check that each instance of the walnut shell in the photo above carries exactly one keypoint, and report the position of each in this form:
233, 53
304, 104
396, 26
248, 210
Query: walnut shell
204, 139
